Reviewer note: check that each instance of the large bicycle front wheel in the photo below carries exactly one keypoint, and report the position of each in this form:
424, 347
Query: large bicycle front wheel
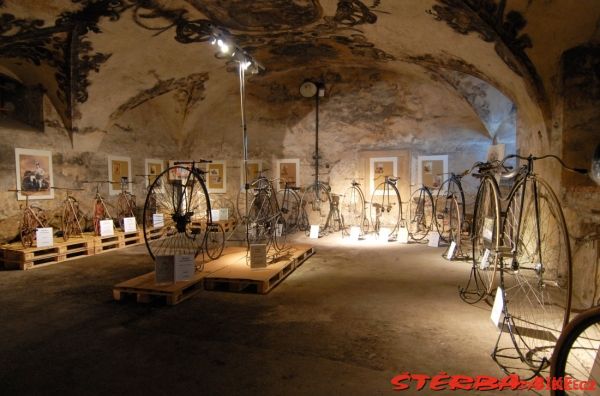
316, 200
537, 278
353, 209
176, 214
443, 208
486, 233
386, 208
421, 214
577, 352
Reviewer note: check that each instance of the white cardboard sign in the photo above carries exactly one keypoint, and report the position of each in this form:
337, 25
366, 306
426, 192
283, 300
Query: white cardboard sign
107, 228
484, 259
223, 214
384, 234
279, 229
434, 239
129, 224
184, 267
403, 235
258, 256
451, 249
354, 233
43, 237
498, 307
158, 220
314, 231
215, 214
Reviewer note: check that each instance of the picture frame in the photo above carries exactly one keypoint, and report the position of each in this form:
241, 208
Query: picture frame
254, 168
379, 168
179, 174
118, 167
152, 168
432, 170
287, 169
216, 176
496, 152
34, 174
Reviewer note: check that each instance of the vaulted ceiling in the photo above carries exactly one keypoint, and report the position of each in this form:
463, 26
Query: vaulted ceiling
466, 61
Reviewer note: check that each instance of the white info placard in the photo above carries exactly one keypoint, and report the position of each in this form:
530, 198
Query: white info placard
158, 220
354, 233
258, 255
314, 231
107, 228
384, 234
43, 237
279, 229
484, 259
434, 239
129, 224
224, 214
215, 214
498, 307
451, 249
184, 267
403, 235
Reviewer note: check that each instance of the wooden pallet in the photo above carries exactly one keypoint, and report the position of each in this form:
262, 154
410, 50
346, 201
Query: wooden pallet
103, 244
237, 276
15, 256
133, 238
145, 290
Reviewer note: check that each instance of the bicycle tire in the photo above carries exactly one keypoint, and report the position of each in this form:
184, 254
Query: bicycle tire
576, 351
421, 211
184, 205
316, 201
386, 208
289, 205
27, 229
215, 240
353, 209
537, 281
278, 233
450, 187
486, 220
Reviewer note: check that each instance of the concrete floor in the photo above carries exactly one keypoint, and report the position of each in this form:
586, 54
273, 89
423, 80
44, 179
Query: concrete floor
346, 322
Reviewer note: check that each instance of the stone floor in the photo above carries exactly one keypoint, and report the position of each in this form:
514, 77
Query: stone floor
347, 321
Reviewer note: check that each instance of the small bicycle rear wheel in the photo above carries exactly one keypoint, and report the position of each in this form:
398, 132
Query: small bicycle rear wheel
289, 204
215, 240
316, 200
443, 207
421, 214
386, 208
176, 213
352, 209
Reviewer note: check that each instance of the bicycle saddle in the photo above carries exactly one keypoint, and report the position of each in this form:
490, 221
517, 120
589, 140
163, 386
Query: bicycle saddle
393, 179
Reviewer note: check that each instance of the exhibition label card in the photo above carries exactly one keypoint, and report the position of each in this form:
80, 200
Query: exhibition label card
158, 220
498, 307
43, 237
451, 249
354, 233
215, 214
184, 267
258, 255
107, 228
403, 235
434, 239
129, 224
384, 234
314, 231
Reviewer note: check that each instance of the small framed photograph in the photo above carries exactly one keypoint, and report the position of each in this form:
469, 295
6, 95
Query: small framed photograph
432, 170
153, 168
253, 169
118, 169
216, 177
34, 174
379, 168
288, 170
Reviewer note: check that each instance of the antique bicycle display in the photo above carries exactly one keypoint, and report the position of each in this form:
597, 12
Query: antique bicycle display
265, 222
386, 207
71, 214
535, 264
421, 212
99, 206
353, 209
33, 217
450, 208
316, 202
289, 204
126, 206
177, 214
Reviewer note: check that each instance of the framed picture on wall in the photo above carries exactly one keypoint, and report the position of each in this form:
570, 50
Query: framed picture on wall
495, 152
182, 170
288, 170
253, 169
432, 170
118, 168
34, 174
216, 177
153, 168
379, 168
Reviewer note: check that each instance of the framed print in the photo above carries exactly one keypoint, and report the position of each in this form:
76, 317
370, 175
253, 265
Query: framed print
153, 168
216, 177
379, 168
253, 169
179, 174
432, 170
34, 174
495, 152
118, 168
288, 170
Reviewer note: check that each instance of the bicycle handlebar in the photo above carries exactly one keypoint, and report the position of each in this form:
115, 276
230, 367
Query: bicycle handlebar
560, 161
97, 181
201, 161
